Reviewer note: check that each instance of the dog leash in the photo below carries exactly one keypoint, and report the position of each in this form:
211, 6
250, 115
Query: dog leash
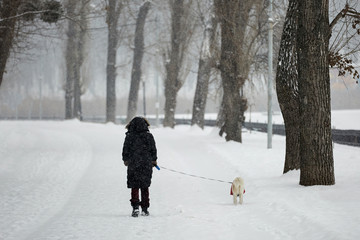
195, 176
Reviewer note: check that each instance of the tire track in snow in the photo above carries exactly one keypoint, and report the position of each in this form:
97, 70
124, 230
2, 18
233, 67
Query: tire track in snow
92, 210
42, 179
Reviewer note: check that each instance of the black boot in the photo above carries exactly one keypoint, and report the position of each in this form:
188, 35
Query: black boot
145, 212
135, 212
135, 205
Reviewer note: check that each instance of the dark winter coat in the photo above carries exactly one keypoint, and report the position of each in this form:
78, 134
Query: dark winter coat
138, 152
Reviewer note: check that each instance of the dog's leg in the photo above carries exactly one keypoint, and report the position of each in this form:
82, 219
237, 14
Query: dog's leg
241, 193
235, 198
233, 191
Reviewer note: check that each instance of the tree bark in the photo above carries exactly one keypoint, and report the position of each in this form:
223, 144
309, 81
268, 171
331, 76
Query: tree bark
138, 56
113, 12
233, 16
70, 58
76, 73
81, 41
74, 58
316, 153
206, 63
287, 87
172, 81
201, 92
9, 8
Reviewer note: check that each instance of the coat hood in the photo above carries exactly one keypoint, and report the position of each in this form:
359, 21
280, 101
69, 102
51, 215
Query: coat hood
138, 124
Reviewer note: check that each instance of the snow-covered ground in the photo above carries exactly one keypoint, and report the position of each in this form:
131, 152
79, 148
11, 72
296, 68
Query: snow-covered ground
66, 180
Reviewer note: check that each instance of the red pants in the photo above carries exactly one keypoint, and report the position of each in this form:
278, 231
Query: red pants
145, 201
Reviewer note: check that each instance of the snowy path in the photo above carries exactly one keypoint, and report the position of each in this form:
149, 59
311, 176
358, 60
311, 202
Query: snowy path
66, 180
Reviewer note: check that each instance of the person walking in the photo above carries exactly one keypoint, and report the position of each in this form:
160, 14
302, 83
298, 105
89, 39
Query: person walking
140, 156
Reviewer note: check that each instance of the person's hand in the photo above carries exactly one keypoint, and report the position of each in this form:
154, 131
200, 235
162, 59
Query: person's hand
154, 163
126, 163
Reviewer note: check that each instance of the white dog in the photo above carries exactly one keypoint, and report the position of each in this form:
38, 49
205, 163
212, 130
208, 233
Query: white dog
238, 190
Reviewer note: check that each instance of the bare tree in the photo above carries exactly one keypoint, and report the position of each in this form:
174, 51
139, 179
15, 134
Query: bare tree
206, 63
138, 56
113, 12
181, 32
70, 59
287, 79
76, 37
316, 155
82, 37
235, 63
287, 87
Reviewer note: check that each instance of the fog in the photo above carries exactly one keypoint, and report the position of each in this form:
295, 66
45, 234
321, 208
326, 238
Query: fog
33, 85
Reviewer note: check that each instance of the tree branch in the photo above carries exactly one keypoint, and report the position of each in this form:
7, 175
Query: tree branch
341, 14
346, 11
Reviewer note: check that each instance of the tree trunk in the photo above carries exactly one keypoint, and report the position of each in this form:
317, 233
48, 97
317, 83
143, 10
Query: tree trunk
231, 110
9, 8
112, 21
205, 64
77, 67
81, 39
201, 92
287, 87
70, 58
233, 16
316, 155
172, 81
138, 56
77, 90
